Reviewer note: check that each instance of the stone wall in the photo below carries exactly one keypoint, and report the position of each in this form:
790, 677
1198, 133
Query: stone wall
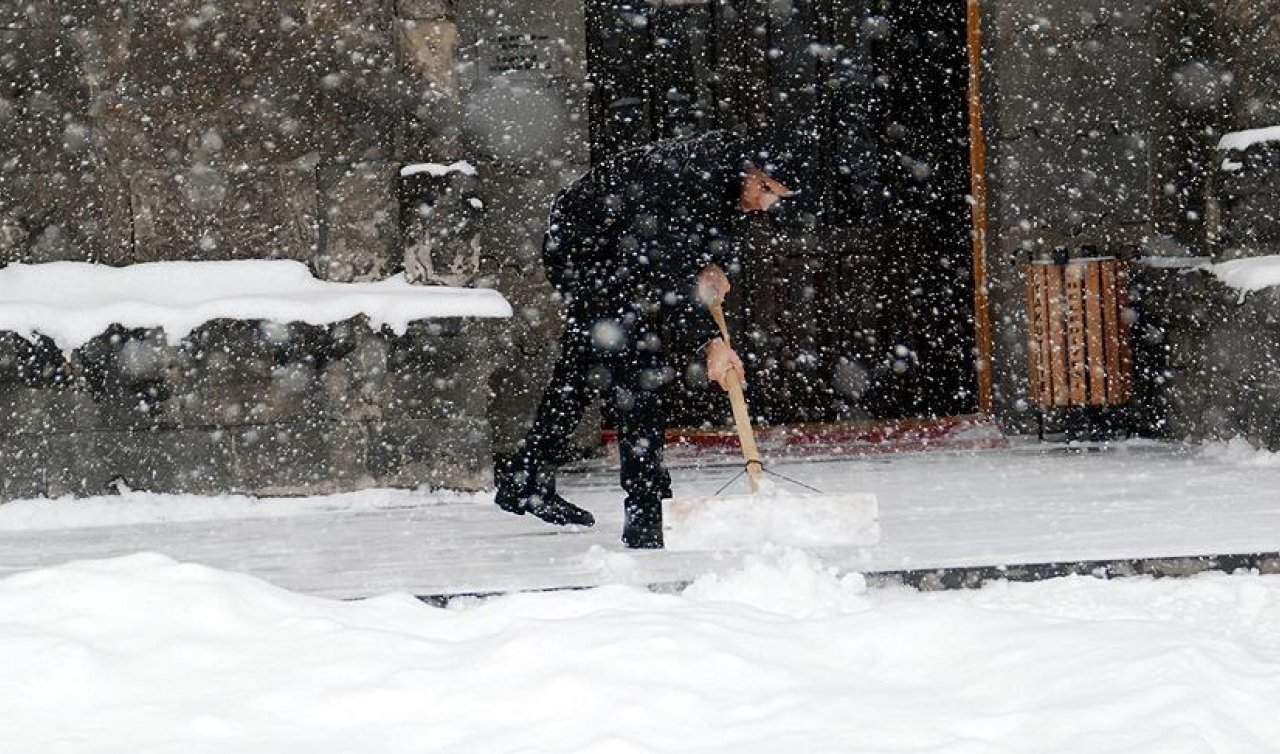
147, 130
242, 406
1102, 125
1213, 353
151, 130
1212, 359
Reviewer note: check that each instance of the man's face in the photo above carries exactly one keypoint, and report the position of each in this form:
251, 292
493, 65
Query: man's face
759, 191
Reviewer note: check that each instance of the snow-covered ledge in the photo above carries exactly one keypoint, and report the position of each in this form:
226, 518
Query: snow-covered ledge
1248, 275
1245, 275
1240, 141
239, 376
71, 302
1246, 195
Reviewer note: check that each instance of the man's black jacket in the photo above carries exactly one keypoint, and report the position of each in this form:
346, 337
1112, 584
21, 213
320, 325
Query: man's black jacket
637, 229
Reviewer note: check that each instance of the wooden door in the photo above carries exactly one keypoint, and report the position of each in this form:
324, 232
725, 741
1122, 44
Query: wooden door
856, 301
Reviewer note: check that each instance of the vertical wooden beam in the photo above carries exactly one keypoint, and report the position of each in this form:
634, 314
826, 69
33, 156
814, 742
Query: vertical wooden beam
1046, 342
978, 194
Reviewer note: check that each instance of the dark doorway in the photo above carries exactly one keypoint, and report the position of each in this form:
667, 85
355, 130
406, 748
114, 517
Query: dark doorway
857, 302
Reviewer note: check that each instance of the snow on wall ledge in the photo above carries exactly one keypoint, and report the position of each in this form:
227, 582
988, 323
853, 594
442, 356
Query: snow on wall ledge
1250, 274
1240, 141
71, 302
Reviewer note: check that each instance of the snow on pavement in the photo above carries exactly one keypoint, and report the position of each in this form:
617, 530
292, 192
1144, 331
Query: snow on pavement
137, 507
1027, 504
143, 655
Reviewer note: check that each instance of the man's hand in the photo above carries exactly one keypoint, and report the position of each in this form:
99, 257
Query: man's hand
713, 285
721, 360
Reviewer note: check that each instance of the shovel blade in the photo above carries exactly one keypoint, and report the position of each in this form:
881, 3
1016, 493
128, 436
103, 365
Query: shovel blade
733, 521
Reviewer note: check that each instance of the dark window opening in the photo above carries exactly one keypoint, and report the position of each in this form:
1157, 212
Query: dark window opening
857, 303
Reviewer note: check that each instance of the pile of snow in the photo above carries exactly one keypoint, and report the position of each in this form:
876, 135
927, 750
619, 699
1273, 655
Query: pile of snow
437, 169
784, 581
1250, 274
773, 516
72, 302
146, 655
1240, 452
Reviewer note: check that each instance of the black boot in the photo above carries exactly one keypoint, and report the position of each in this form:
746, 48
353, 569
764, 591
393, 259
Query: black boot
643, 527
521, 491
508, 476
553, 509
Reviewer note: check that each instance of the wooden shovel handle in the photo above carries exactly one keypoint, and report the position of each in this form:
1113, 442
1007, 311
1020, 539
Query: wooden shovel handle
741, 416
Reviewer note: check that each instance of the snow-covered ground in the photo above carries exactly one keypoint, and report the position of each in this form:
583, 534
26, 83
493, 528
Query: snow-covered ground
1026, 504
768, 649
143, 655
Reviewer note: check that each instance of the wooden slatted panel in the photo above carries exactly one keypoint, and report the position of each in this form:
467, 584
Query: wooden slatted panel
1124, 376
1095, 349
1056, 333
1073, 280
1078, 349
1035, 360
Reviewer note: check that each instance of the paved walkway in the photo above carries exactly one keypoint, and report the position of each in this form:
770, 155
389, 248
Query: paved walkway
1024, 504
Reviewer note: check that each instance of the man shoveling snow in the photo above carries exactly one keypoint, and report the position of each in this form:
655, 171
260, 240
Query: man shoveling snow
633, 247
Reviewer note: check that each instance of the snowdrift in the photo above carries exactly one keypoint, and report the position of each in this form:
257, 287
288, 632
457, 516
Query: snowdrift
145, 655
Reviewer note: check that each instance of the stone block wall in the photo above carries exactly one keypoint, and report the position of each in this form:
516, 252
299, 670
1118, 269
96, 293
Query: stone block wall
152, 130
1213, 352
246, 406
156, 129
1211, 359
175, 129
1102, 124
1246, 196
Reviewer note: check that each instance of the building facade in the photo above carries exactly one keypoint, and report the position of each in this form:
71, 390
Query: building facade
140, 131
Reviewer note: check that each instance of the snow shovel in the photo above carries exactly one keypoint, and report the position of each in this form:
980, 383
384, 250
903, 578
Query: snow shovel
811, 518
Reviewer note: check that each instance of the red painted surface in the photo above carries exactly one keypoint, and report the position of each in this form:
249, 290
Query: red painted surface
839, 439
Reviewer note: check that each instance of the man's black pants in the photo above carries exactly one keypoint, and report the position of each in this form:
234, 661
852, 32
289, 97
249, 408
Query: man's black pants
614, 354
